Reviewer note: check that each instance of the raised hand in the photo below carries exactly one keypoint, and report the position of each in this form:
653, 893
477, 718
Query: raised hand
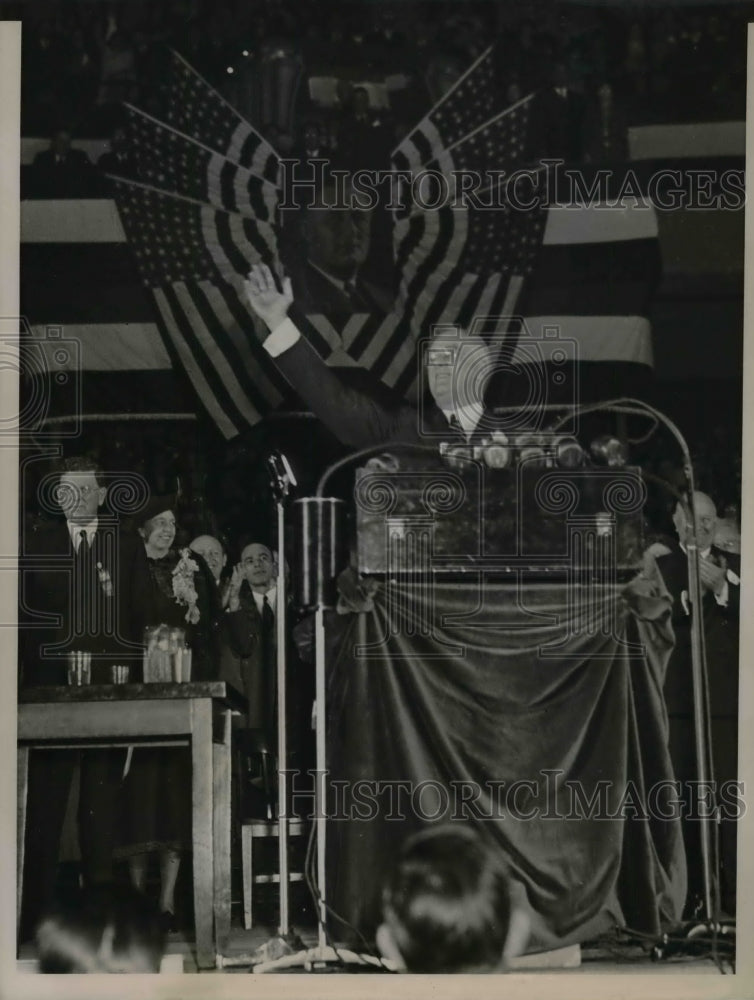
264, 298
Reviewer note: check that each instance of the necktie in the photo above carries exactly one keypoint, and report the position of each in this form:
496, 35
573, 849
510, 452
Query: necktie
455, 426
355, 298
268, 619
269, 662
82, 587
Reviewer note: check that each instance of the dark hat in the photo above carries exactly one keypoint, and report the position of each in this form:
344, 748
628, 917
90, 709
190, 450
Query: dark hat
156, 504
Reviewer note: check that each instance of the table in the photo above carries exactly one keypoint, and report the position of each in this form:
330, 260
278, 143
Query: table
195, 714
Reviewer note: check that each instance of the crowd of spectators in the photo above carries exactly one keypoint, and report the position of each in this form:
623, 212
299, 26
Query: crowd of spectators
82, 59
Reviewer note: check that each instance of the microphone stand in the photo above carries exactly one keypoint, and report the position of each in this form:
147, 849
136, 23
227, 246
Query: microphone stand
286, 949
710, 922
323, 954
286, 941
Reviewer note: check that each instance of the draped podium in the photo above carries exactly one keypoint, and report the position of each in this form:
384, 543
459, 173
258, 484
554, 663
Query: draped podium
533, 710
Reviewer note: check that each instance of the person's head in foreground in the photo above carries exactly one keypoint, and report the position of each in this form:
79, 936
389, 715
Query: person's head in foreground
101, 930
448, 906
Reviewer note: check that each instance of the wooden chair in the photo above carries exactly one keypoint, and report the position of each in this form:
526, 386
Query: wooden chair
252, 831
256, 744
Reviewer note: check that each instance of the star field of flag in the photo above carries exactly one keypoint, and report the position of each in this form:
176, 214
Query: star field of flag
171, 161
470, 103
175, 239
190, 105
457, 260
500, 144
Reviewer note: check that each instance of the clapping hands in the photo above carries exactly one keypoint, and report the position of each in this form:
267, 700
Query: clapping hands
237, 577
713, 577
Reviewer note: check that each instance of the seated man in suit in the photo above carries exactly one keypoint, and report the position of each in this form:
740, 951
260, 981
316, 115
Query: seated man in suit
457, 373
449, 906
74, 574
719, 573
62, 171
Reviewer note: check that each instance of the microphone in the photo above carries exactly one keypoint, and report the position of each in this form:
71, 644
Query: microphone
281, 474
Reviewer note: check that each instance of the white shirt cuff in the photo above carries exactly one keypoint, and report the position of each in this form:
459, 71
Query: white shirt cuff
282, 338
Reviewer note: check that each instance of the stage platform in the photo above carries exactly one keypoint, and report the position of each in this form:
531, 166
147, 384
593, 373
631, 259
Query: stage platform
602, 958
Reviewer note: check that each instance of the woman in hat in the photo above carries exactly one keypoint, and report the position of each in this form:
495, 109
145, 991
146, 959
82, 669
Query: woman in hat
172, 587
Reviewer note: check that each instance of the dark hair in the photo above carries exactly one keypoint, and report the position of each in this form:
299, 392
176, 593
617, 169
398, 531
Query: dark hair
260, 538
448, 902
104, 929
82, 463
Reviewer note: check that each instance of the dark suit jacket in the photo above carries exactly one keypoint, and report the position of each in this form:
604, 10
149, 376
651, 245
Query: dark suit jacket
149, 606
72, 177
364, 145
254, 666
50, 605
557, 124
314, 293
109, 163
720, 634
360, 417
257, 672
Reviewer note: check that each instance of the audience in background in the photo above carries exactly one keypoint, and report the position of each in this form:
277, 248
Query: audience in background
119, 159
212, 551
677, 64
61, 171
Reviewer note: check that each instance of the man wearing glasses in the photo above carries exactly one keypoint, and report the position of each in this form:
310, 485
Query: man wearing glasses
251, 632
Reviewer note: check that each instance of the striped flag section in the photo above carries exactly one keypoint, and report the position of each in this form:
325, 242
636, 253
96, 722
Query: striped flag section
595, 278
470, 102
165, 273
459, 261
172, 161
74, 278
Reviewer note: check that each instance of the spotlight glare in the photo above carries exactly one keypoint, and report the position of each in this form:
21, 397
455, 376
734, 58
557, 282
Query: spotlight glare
609, 450
568, 453
230, 69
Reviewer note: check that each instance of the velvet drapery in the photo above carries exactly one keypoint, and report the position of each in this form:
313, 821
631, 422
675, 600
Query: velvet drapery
533, 710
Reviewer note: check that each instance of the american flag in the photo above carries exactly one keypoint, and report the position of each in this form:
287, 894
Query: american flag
462, 261
469, 103
206, 209
188, 103
192, 256
172, 161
